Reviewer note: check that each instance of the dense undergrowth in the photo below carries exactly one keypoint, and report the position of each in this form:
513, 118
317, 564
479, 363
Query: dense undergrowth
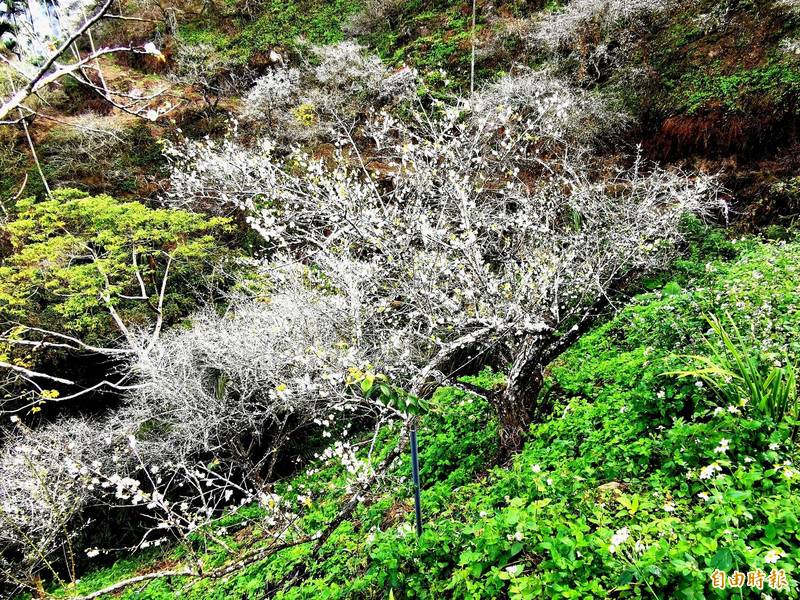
695, 485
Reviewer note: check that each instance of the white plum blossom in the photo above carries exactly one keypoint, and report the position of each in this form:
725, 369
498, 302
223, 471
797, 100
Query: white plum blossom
595, 31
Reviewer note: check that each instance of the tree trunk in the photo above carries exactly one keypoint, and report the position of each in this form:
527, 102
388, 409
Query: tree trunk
517, 405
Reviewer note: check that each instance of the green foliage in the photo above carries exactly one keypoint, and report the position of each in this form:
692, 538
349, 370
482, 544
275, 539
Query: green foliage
712, 59
71, 256
279, 24
433, 37
778, 84
380, 388
285, 24
282, 22
200, 32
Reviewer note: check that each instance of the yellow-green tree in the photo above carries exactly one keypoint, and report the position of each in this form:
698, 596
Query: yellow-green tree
92, 274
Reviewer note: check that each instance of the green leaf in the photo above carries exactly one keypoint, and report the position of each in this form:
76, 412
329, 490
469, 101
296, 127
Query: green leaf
722, 560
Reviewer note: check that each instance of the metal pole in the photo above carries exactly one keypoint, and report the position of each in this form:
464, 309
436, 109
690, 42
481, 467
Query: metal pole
415, 477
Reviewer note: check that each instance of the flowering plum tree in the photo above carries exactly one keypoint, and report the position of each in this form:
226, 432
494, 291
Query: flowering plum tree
469, 249
39, 498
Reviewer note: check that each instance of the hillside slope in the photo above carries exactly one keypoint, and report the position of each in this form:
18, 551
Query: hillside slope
557, 238
693, 483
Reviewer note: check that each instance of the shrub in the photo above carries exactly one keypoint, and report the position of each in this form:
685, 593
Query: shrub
460, 222
67, 252
264, 372
375, 14
87, 148
564, 27
272, 94
342, 85
85, 275
13, 164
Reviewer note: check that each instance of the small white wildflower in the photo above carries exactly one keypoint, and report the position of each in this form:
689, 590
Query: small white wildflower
708, 471
724, 444
536, 468
774, 556
619, 538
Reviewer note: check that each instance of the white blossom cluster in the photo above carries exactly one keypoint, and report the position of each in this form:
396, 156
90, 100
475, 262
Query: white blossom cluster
39, 497
49, 476
245, 385
272, 93
344, 83
596, 32
790, 45
558, 111
560, 29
